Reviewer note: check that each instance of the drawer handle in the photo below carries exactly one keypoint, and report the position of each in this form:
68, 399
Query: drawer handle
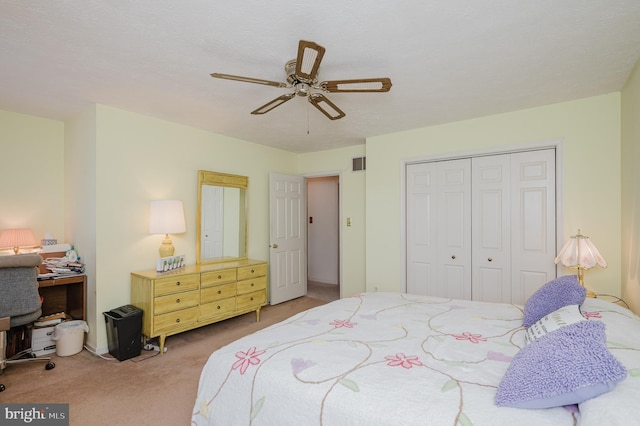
218, 306
177, 319
219, 277
177, 300
177, 283
252, 284
252, 271
251, 298
219, 291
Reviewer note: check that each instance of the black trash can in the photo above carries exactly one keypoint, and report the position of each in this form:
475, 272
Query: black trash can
124, 331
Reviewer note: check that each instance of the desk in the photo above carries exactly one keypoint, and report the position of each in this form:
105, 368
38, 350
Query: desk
66, 294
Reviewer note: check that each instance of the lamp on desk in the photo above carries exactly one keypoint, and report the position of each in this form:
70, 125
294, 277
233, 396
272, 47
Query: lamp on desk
17, 239
580, 253
166, 217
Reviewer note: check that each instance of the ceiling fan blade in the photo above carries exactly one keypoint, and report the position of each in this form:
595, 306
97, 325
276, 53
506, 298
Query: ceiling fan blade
308, 61
273, 104
326, 107
249, 80
358, 85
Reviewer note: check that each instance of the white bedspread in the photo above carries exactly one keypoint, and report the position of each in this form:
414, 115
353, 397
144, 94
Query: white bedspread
383, 359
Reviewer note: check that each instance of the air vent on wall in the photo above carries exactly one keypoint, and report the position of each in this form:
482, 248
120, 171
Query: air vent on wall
359, 164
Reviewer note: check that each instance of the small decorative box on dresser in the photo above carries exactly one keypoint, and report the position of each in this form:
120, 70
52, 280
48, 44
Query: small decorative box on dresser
197, 295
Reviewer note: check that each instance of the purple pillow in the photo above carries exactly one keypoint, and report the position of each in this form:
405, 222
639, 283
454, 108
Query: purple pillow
556, 294
564, 367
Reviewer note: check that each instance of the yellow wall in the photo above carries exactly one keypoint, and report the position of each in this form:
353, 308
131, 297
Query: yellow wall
138, 159
92, 179
589, 130
631, 190
32, 174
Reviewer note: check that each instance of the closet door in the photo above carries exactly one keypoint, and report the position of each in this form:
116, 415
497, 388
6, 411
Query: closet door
533, 216
421, 243
438, 229
513, 224
491, 224
453, 228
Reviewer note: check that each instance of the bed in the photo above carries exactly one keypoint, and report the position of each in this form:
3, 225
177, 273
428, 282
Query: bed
401, 359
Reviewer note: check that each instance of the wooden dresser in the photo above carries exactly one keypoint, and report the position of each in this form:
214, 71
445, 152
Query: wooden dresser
197, 295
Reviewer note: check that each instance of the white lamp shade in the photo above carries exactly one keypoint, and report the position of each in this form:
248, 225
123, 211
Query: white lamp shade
580, 252
12, 238
166, 217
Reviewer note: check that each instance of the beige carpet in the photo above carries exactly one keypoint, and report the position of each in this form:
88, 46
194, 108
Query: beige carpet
147, 390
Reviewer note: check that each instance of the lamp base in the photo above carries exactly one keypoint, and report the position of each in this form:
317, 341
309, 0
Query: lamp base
581, 281
166, 248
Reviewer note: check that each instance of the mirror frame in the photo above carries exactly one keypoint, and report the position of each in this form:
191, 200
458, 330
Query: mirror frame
225, 180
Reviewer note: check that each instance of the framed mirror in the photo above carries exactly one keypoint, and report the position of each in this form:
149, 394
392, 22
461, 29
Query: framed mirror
221, 219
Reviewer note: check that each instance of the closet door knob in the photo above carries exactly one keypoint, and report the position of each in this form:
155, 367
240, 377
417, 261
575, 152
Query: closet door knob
453, 257
490, 259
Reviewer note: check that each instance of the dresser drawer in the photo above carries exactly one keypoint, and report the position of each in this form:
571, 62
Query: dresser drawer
249, 286
251, 300
170, 285
247, 272
175, 302
224, 307
175, 320
218, 277
218, 292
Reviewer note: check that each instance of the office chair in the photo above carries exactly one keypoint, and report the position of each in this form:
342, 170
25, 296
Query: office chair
19, 303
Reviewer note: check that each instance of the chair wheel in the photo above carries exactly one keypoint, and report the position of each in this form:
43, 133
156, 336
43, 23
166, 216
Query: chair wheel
50, 365
2, 387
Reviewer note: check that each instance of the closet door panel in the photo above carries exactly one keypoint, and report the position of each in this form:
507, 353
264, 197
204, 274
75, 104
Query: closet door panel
491, 259
421, 239
533, 217
454, 228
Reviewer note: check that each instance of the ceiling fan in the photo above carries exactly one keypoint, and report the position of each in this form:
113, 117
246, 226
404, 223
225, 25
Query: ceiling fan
302, 74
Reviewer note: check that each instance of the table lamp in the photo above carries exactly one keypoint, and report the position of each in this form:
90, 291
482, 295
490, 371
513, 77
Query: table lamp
166, 217
17, 239
580, 253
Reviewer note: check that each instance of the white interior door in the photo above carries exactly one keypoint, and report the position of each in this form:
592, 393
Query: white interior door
438, 223
421, 224
491, 224
482, 228
287, 226
533, 219
454, 228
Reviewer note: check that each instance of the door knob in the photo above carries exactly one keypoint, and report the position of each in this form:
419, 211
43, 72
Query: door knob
274, 245
490, 259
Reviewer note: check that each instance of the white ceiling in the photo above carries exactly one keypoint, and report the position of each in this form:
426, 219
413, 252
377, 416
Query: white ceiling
448, 60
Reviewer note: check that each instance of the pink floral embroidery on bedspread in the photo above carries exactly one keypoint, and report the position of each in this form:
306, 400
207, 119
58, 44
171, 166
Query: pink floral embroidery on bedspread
245, 359
343, 323
589, 315
402, 360
473, 338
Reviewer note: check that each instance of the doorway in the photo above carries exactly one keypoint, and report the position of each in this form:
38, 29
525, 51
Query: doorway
323, 237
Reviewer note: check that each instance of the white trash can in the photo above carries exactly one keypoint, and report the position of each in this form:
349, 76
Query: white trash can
70, 337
